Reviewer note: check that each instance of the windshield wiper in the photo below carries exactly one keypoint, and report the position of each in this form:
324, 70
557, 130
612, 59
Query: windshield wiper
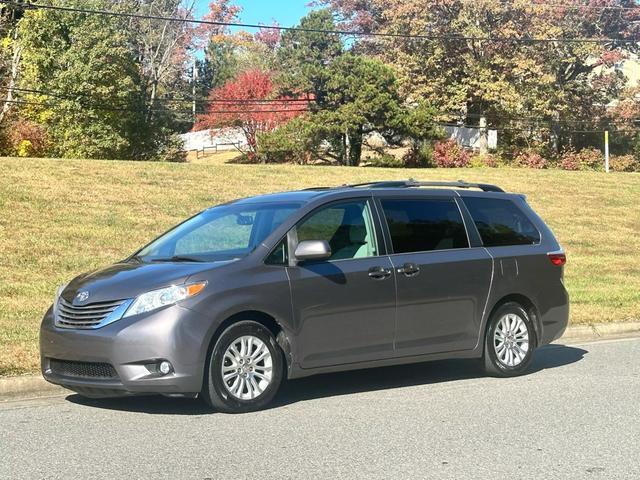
177, 258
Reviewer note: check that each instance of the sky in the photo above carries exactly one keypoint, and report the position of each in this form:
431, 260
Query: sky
285, 12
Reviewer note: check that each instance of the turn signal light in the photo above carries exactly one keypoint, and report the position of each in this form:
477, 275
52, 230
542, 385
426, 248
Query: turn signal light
557, 258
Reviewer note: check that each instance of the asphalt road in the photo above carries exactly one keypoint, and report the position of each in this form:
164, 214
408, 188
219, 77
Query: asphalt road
577, 415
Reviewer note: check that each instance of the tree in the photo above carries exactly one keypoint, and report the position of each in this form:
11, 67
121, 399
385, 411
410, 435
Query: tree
508, 83
94, 109
220, 64
359, 97
10, 55
304, 56
247, 102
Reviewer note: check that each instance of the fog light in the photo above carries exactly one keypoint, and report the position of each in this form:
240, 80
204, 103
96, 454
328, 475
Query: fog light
165, 367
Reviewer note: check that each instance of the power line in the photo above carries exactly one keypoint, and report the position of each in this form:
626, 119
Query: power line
577, 6
114, 109
353, 33
535, 121
491, 117
537, 127
258, 101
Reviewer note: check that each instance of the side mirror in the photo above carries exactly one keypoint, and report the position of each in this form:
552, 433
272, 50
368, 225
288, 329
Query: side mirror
312, 250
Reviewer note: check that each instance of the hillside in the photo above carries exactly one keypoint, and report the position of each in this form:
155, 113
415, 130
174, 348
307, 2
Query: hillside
59, 218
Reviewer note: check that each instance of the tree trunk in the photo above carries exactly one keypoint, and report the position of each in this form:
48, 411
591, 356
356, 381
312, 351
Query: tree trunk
346, 150
13, 77
355, 152
152, 100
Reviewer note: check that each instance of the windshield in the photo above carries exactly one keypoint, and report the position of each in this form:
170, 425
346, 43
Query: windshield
221, 233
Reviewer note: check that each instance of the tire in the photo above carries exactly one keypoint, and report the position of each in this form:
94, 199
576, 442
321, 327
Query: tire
503, 355
246, 388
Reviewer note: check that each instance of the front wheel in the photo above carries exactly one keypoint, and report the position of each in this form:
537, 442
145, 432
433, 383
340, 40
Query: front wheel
510, 341
244, 370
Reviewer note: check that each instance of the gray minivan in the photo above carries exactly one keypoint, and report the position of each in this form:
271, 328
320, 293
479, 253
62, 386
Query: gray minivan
243, 295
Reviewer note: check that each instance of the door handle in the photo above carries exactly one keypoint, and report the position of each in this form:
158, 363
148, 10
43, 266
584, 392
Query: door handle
409, 269
379, 273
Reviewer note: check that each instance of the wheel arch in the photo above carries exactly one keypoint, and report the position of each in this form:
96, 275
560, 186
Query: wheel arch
266, 320
526, 303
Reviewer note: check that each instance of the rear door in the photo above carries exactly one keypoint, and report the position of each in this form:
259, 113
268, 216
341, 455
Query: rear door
343, 307
442, 279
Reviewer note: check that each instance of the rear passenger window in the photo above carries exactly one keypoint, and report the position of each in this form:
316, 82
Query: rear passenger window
424, 225
501, 222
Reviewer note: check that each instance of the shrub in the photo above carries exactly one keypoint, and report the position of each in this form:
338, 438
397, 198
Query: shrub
171, 150
448, 154
295, 141
279, 146
387, 160
27, 139
421, 156
487, 160
624, 163
530, 159
585, 159
5, 147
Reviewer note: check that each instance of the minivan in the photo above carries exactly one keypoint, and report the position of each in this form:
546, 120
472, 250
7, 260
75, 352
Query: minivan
240, 297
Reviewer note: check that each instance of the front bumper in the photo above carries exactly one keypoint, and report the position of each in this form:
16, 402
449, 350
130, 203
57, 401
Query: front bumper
133, 347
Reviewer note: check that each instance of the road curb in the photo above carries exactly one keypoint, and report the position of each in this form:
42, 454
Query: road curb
15, 388
599, 331
12, 388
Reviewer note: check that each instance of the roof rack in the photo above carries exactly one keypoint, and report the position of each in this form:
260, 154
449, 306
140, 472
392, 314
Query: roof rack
411, 183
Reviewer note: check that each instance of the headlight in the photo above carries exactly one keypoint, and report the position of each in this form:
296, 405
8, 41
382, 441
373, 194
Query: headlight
163, 297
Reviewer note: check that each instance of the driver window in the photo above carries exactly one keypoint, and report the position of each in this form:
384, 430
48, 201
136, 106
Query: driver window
348, 227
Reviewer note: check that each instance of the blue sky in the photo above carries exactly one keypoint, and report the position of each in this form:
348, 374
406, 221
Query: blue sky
286, 13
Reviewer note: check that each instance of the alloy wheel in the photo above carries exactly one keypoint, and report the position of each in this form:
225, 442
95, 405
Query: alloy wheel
247, 368
511, 340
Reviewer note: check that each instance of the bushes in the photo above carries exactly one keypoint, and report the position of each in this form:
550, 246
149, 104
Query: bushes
26, 139
170, 150
486, 160
530, 159
585, 159
448, 154
418, 156
297, 141
624, 163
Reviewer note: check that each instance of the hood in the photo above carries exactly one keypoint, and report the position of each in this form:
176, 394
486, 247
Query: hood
129, 279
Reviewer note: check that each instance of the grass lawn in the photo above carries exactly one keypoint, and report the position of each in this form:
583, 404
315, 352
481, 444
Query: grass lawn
59, 218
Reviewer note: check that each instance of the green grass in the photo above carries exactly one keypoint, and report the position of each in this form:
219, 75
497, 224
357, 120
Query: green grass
59, 218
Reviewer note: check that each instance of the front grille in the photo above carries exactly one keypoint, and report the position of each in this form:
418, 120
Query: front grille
65, 368
86, 316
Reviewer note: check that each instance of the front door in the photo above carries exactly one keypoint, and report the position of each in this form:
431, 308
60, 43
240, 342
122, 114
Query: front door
343, 307
442, 283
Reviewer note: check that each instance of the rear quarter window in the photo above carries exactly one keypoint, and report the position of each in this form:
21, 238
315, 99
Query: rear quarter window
501, 222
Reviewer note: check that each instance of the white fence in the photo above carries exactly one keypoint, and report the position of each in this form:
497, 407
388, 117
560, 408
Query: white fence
470, 137
218, 140
225, 139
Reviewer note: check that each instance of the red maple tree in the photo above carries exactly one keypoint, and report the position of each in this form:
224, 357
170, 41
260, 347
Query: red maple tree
248, 102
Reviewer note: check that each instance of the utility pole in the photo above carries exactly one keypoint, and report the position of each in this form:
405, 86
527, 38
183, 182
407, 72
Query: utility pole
484, 140
194, 78
606, 151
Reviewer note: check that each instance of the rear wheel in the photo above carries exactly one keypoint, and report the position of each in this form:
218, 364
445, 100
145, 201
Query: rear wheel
510, 341
244, 370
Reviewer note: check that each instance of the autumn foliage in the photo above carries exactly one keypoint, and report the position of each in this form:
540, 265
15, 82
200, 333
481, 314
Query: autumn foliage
248, 103
448, 154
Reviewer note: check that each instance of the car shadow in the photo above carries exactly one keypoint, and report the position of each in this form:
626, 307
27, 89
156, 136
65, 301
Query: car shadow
342, 383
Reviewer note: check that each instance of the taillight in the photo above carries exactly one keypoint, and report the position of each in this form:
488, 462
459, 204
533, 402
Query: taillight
557, 258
